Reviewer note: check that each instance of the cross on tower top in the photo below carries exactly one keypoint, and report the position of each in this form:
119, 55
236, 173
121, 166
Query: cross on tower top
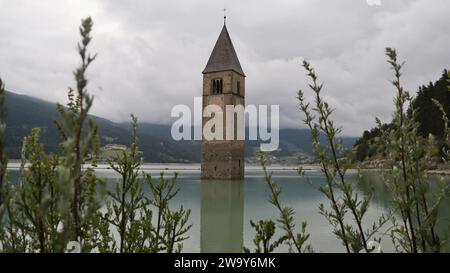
224, 16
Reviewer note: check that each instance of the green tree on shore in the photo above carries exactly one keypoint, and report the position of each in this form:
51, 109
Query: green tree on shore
426, 113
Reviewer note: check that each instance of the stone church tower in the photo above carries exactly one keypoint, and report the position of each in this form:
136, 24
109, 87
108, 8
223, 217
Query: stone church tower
223, 84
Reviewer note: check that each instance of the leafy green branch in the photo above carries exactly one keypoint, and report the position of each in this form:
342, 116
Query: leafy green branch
296, 242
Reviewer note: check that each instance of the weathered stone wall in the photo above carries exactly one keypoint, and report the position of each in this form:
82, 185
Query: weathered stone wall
230, 80
223, 159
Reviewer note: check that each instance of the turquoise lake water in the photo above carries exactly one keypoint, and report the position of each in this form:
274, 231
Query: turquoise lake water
221, 210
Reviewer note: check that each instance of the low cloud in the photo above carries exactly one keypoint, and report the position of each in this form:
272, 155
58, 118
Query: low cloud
151, 53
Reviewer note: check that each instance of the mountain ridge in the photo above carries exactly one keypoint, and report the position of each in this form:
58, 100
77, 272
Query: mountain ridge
154, 140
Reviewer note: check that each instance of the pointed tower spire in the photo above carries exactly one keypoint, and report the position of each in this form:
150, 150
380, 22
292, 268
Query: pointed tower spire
223, 56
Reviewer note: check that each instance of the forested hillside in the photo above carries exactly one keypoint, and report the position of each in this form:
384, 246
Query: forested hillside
426, 113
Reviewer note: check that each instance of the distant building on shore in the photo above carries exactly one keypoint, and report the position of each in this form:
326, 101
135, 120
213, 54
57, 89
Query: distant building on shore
115, 147
113, 151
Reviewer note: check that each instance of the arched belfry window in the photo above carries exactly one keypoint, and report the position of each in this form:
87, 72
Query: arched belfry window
217, 86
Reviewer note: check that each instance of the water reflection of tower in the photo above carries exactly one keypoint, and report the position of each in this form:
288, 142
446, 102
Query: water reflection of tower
222, 216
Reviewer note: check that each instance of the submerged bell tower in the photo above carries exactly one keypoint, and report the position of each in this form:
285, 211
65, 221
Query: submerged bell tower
223, 84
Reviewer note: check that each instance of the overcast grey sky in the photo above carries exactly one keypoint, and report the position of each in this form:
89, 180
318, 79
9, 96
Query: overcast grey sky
151, 53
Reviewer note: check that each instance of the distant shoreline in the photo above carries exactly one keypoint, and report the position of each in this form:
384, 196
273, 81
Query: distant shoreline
15, 165
432, 172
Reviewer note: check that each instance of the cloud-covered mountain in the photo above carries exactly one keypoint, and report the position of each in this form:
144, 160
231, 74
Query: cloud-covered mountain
25, 113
